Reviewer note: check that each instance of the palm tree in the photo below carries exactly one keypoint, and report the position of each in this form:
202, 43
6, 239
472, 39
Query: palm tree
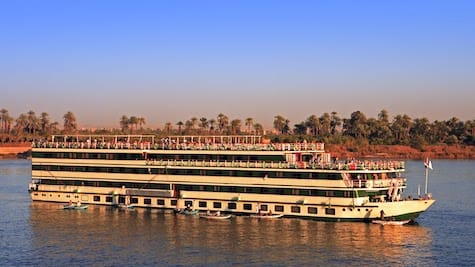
124, 123
279, 123
45, 123
180, 125
194, 122
133, 121
335, 122
249, 122
168, 127
325, 124
54, 127
236, 126
313, 123
420, 130
258, 128
21, 124
400, 127
33, 122
212, 124
70, 123
141, 122
300, 129
223, 122
5, 121
188, 126
382, 132
286, 129
356, 126
204, 124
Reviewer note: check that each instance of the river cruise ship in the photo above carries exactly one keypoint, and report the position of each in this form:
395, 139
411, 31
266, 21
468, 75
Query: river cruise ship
242, 175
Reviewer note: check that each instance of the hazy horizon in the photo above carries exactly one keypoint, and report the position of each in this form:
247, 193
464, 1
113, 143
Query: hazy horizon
169, 61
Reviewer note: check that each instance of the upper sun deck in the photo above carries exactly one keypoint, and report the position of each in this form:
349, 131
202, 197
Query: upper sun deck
149, 142
229, 149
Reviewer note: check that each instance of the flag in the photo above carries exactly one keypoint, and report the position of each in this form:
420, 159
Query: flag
428, 163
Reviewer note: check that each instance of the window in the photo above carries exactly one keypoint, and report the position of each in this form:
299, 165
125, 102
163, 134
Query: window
173, 202
188, 203
279, 208
202, 204
108, 199
147, 201
232, 206
312, 210
330, 211
264, 207
217, 205
134, 200
247, 206
97, 198
295, 209
161, 202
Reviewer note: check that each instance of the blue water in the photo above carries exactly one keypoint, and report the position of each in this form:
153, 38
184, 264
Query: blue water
42, 234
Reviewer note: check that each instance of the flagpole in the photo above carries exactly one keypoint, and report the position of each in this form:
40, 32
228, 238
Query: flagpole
427, 176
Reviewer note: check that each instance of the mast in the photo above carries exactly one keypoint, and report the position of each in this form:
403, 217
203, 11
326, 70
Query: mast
427, 179
428, 165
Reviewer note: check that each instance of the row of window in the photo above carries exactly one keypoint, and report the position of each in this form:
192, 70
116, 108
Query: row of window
140, 156
217, 188
194, 171
216, 204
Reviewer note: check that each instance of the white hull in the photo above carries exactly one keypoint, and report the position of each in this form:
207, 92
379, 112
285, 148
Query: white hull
293, 180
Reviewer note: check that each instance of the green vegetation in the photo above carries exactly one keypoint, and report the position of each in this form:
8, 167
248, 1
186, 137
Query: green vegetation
354, 132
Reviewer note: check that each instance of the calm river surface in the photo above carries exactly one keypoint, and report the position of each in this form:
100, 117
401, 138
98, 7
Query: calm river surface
42, 234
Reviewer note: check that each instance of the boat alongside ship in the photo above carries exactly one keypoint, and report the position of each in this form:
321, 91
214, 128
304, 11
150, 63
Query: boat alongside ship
231, 174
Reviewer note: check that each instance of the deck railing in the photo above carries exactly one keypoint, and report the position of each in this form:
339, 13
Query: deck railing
183, 146
360, 165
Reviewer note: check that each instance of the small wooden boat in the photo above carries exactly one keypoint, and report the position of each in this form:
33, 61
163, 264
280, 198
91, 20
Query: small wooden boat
266, 216
390, 222
187, 212
215, 216
124, 207
75, 207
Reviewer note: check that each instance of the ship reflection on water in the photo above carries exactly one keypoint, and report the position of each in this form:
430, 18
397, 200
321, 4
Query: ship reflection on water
104, 236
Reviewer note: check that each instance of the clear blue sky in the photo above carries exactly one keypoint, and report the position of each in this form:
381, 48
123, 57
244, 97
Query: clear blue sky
173, 60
